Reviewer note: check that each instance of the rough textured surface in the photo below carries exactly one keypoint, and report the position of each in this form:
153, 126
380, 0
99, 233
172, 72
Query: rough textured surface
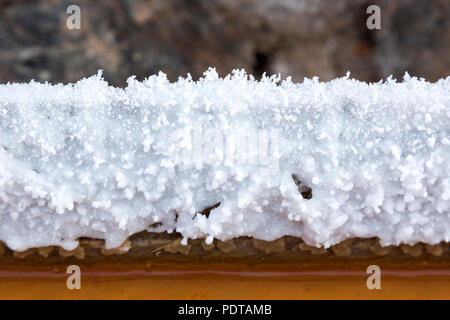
224, 158
297, 38
159, 247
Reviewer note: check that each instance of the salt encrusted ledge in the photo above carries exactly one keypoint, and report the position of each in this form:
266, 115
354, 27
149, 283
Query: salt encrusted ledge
146, 245
321, 161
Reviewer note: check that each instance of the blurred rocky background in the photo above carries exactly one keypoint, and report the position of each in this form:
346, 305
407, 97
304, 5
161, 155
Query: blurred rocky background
292, 37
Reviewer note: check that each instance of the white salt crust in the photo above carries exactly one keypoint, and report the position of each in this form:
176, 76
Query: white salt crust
91, 160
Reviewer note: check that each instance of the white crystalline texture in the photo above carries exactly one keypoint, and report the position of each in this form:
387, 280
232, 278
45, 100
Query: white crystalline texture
91, 160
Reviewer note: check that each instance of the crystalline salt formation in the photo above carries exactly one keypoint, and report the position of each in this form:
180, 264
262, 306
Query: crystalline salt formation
320, 161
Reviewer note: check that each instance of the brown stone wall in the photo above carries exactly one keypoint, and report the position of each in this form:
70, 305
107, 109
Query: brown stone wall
294, 37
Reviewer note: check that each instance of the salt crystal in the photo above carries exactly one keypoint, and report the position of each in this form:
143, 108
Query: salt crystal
376, 158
